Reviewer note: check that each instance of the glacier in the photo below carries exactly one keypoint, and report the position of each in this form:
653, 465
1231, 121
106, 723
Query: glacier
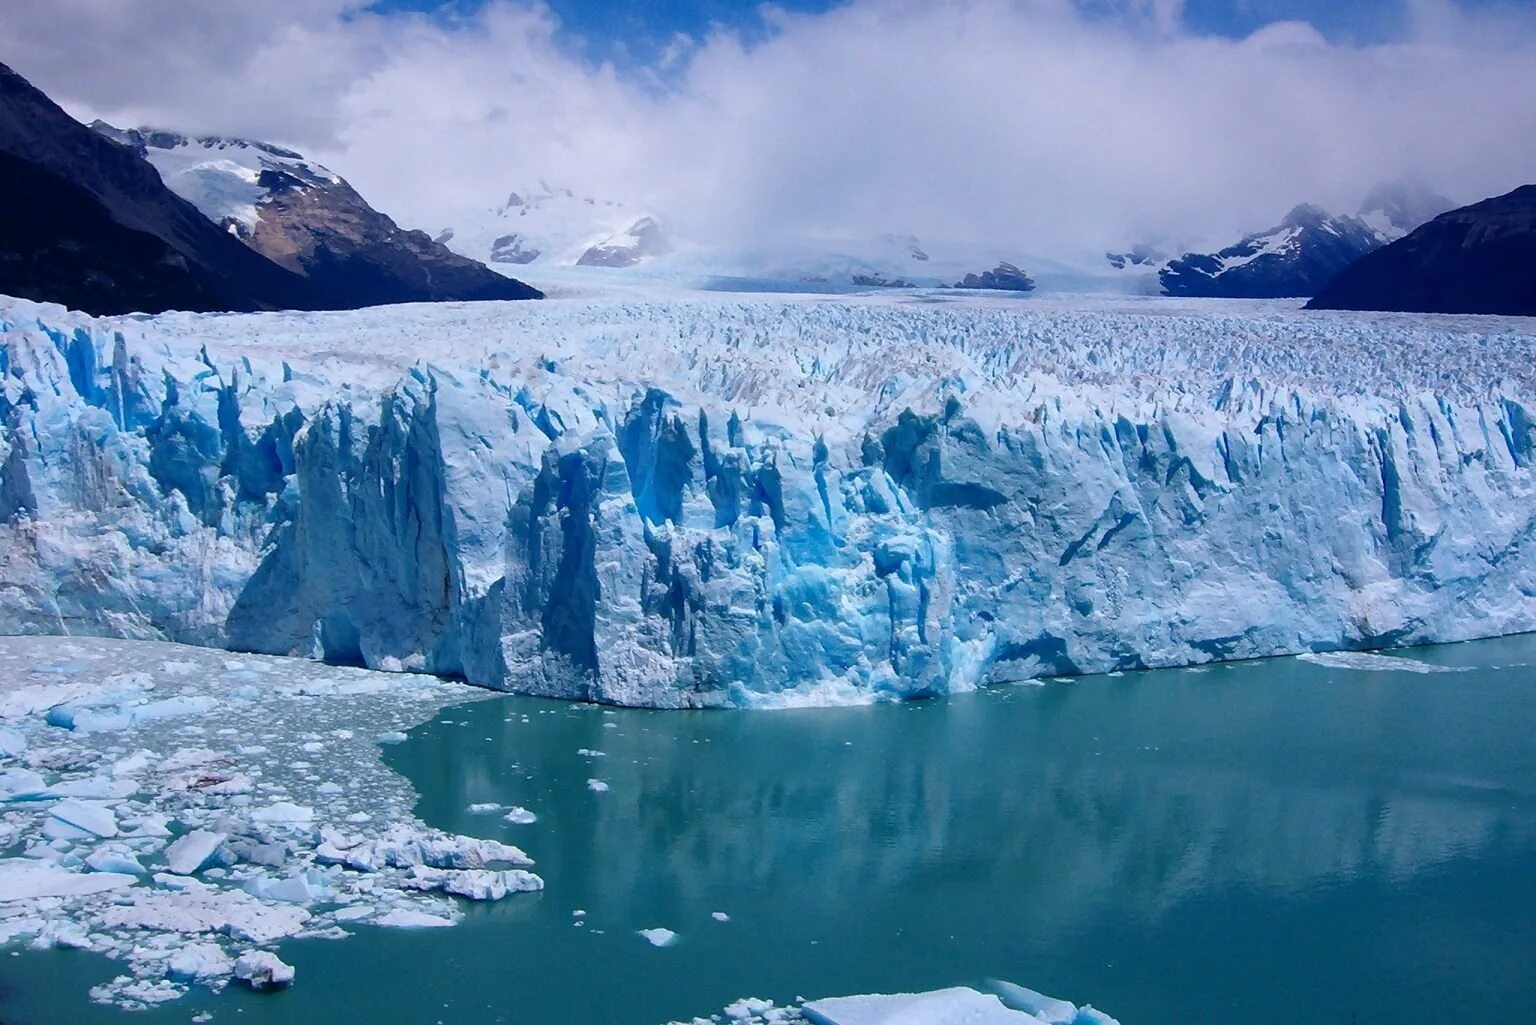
699, 499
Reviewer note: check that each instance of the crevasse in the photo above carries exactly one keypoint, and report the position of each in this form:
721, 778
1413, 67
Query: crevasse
701, 501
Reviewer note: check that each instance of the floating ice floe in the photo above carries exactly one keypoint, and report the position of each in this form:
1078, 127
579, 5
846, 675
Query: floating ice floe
186, 845
1370, 661
520, 816
999, 1003
658, 937
261, 969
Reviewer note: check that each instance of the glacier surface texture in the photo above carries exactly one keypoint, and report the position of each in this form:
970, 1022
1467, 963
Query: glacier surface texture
705, 500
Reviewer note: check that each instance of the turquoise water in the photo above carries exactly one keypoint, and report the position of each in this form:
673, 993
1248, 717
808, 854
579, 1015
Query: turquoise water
1261, 843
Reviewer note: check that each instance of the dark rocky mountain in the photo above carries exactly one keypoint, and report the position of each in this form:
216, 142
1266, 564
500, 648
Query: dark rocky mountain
90, 224
871, 279
1005, 277
1479, 259
644, 239
1293, 259
514, 248
310, 221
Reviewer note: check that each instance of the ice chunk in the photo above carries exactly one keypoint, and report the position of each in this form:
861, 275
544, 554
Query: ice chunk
199, 962
260, 969
520, 816
115, 858
284, 813
301, 888
1021, 998
12, 743
747, 1007
24, 879
658, 937
597, 786
484, 808
74, 819
193, 852
22, 785
720, 916
1371, 662
403, 919
959, 1005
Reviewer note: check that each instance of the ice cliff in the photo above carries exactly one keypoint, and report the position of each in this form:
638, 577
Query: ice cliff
718, 500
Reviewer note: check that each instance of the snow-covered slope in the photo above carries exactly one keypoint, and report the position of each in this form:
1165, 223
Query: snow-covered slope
542, 225
222, 177
309, 220
719, 500
1295, 258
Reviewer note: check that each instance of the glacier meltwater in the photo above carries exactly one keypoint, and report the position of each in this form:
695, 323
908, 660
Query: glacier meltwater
697, 500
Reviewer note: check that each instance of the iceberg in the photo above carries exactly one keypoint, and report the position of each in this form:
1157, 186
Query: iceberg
998, 1003
261, 969
685, 501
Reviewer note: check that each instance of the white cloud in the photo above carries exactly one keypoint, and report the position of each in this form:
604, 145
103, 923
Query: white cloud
1021, 120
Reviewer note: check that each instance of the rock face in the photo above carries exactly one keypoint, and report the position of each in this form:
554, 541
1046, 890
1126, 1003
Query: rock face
89, 224
1294, 259
1479, 259
513, 249
1005, 277
641, 241
765, 502
310, 221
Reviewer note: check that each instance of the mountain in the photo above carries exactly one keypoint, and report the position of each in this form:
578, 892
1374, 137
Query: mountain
1479, 259
1294, 258
310, 221
1393, 209
89, 224
641, 241
553, 226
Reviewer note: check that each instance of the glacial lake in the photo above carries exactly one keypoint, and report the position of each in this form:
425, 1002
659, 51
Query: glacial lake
1263, 843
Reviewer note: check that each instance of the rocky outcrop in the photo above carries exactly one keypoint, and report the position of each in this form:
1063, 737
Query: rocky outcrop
641, 241
1005, 277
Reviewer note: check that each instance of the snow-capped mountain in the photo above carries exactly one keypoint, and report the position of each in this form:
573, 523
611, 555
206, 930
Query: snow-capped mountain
90, 224
1479, 259
643, 240
553, 226
766, 501
309, 220
1393, 209
1293, 259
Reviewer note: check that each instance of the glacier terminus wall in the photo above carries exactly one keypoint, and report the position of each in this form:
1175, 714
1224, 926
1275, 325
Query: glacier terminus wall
711, 500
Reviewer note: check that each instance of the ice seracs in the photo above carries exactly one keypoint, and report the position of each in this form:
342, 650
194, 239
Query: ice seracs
708, 500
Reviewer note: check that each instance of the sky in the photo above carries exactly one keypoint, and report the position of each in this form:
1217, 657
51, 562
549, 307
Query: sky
1053, 125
